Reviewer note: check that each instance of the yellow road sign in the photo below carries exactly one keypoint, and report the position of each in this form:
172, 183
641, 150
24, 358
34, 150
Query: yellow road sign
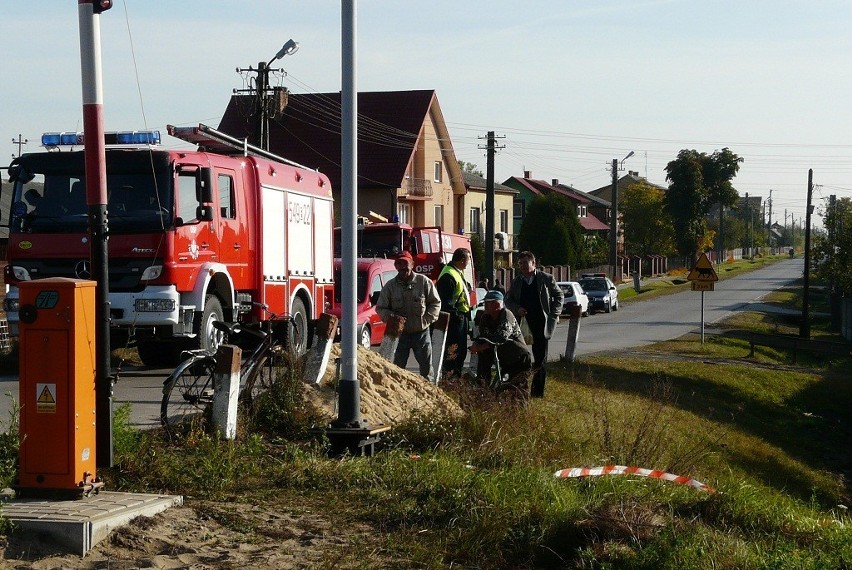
702, 271
702, 285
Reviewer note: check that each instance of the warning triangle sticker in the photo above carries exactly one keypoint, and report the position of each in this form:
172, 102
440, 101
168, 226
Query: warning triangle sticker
46, 397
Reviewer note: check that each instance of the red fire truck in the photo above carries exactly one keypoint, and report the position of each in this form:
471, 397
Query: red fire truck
194, 236
431, 247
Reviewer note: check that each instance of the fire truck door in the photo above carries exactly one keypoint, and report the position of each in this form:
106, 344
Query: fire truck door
195, 240
232, 247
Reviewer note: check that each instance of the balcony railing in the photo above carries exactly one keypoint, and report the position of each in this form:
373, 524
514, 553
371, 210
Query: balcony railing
416, 188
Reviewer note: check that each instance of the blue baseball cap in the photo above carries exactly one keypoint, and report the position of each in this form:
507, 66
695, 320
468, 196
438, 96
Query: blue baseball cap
494, 296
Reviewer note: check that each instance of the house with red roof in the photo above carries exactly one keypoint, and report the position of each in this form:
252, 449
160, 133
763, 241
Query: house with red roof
407, 169
529, 188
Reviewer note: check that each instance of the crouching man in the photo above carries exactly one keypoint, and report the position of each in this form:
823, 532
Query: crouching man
500, 334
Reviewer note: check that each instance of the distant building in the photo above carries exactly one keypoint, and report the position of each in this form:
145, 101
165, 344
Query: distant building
528, 188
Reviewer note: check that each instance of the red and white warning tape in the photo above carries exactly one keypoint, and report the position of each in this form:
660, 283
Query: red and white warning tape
624, 470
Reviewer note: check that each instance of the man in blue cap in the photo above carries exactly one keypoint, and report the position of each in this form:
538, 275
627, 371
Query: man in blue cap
499, 332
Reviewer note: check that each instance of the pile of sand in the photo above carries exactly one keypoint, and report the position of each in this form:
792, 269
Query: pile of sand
389, 394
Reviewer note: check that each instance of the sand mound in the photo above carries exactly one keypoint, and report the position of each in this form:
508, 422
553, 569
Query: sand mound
389, 394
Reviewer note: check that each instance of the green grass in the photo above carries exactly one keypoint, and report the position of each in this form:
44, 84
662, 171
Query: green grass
479, 491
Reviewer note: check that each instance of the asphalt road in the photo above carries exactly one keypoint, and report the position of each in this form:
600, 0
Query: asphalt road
634, 324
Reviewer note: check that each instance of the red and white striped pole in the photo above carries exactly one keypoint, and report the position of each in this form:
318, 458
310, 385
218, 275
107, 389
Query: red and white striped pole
96, 197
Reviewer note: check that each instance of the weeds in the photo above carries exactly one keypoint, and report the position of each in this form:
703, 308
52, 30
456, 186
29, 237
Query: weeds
10, 445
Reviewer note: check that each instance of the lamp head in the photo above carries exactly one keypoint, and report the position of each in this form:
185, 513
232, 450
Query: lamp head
288, 48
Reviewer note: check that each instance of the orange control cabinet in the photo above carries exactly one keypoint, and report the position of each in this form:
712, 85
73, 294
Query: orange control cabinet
57, 384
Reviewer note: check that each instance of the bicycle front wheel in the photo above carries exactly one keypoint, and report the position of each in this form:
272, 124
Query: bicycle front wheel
187, 391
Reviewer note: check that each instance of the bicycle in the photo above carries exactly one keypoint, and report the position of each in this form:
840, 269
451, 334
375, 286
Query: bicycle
189, 389
499, 380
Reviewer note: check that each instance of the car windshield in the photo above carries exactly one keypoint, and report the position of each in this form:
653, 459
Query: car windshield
593, 285
361, 286
568, 290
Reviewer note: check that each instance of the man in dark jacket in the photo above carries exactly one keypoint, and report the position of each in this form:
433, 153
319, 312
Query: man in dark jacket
535, 296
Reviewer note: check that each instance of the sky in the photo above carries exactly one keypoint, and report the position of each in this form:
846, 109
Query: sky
567, 85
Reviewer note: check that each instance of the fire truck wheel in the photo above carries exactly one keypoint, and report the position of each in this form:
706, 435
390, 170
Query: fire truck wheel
300, 322
209, 338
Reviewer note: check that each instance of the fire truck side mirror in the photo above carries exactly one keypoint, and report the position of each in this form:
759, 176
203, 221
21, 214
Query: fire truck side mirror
204, 211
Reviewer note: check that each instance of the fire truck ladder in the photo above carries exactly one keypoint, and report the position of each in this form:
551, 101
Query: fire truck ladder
212, 140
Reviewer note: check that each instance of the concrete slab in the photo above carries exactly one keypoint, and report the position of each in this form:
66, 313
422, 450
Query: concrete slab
79, 524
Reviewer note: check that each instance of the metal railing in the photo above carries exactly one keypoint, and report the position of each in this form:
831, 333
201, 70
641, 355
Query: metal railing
416, 187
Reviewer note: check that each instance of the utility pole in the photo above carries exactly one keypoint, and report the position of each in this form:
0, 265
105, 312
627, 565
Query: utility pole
769, 225
749, 224
491, 150
835, 298
20, 142
613, 239
262, 93
805, 327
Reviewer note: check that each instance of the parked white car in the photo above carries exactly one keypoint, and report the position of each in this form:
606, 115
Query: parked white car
574, 295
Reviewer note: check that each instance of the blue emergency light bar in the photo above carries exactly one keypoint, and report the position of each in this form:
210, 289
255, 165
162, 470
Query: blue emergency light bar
125, 138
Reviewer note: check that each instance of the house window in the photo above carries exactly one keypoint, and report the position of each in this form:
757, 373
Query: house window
519, 209
504, 221
581, 211
439, 171
474, 220
439, 216
404, 211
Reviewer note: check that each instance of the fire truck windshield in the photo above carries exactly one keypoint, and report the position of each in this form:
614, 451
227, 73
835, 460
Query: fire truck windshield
378, 242
49, 194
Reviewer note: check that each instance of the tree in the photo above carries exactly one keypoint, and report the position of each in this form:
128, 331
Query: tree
470, 168
832, 250
647, 228
552, 231
697, 181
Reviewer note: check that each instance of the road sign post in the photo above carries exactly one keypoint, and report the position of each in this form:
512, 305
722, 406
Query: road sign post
703, 276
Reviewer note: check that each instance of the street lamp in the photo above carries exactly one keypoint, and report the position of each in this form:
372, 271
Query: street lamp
613, 238
290, 47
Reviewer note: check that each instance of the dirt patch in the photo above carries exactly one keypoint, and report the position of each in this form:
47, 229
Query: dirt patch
205, 534
389, 394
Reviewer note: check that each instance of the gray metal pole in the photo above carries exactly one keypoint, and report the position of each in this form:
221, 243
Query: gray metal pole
349, 410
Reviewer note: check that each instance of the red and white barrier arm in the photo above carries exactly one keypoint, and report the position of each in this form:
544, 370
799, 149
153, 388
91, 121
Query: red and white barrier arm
625, 470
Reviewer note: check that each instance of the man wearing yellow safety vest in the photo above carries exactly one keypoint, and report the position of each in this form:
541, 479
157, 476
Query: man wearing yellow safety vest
455, 300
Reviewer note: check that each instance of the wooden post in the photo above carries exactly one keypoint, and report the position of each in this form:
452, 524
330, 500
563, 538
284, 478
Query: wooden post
391, 338
439, 338
226, 390
317, 359
573, 333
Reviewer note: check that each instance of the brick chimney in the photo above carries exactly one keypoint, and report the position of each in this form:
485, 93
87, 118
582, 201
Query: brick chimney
527, 174
554, 182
